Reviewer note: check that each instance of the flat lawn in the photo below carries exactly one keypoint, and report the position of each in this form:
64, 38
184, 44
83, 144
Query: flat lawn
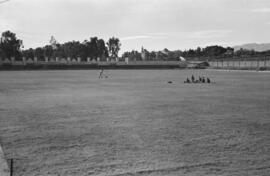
134, 123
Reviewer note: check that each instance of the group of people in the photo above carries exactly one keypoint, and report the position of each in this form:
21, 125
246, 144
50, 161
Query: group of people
200, 80
191, 80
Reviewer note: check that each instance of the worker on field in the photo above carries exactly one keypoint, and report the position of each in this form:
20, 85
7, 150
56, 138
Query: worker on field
192, 78
101, 73
187, 81
208, 80
200, 79
203, 80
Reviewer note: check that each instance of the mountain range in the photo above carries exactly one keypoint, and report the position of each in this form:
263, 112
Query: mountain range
253, 46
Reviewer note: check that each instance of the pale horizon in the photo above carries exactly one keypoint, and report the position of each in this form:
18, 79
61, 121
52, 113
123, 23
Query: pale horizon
155, 25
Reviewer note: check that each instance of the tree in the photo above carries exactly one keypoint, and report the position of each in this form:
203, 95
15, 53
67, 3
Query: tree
48, 51
10, 45
59, 51
244, 52
93, 48
29, 53
39, 53
113, 47
152, 55
133, 55
198, 51
214, 50
72, 49
102, 49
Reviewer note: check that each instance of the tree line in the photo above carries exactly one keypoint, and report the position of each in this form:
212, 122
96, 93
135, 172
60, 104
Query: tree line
94, 48
11, 46
207, 53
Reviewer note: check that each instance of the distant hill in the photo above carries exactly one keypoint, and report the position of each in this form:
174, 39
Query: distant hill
253, 46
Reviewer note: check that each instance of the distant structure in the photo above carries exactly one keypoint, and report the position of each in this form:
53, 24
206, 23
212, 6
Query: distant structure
182, 59
143, 54
53, 42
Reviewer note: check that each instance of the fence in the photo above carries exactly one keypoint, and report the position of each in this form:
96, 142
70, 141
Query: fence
224, 64
240, 64
78, 61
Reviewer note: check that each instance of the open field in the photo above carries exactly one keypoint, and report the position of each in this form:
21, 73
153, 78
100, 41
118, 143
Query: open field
134, 123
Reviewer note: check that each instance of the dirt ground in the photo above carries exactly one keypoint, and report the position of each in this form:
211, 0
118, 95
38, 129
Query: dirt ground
70, 123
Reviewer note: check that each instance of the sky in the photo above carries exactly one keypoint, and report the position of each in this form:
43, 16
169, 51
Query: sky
153, 24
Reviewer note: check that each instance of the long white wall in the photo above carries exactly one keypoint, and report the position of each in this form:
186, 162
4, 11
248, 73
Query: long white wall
240, 64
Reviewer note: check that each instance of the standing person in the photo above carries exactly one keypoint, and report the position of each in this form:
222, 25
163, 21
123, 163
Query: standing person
203, 80
101, 73
192, 78
208, 80
187, 81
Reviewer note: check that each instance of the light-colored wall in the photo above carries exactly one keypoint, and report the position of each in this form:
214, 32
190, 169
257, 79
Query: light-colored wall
240, 64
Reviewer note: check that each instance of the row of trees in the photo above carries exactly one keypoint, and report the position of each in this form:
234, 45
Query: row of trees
94, 48
164, 55
209, 52
219, 51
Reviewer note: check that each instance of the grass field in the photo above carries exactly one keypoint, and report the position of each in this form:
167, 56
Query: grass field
135, 123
